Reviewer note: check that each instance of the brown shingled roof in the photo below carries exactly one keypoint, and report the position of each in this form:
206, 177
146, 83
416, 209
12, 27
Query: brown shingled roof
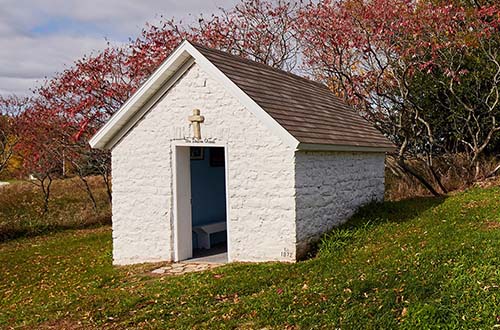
307, 110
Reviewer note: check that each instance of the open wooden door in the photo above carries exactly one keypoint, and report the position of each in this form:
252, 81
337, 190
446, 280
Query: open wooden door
183, 241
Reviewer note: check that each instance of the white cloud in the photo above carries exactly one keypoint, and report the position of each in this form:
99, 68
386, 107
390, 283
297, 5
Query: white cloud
25, 60
40, 37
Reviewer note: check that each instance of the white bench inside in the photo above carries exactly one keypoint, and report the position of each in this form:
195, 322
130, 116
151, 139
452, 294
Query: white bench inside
203, 233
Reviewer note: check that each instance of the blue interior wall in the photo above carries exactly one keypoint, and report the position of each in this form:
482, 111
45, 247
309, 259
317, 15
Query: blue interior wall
208, 191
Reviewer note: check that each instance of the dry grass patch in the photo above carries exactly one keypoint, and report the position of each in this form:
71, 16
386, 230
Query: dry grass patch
21, 208
491, 225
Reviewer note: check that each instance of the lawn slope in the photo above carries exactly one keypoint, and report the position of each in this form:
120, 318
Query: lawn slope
416, 264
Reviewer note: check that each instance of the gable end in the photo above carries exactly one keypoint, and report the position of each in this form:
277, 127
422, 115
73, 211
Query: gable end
160, 82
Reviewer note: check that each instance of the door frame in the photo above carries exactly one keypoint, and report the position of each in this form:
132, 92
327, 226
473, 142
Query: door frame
181, 157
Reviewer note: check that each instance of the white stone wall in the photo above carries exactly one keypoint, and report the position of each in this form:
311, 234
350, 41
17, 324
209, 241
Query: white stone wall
260, 177
330, 187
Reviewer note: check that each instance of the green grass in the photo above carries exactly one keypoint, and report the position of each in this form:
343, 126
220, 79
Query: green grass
416, 264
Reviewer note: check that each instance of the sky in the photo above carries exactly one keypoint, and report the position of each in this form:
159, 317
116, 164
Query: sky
40, 37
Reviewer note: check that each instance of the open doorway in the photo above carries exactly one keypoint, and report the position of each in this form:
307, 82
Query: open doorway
201, 215
208, 201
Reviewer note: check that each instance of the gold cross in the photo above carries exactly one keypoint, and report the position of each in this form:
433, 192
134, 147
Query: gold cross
196, 120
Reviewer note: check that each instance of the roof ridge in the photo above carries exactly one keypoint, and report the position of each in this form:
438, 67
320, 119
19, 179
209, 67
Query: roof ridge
263, 65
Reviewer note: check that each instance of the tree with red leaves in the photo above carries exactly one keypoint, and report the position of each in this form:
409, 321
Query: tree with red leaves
10, 108
39, 144
70, 107
382, 55
262, 30
83, 98
425, 73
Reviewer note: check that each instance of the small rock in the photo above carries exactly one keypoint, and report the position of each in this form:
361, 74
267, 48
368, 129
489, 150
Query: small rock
177, 265
183, 268
159, 270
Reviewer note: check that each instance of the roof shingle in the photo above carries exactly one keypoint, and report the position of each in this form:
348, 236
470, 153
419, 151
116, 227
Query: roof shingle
306, 109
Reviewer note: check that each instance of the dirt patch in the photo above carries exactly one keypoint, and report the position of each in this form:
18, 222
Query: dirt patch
59, 324
488, 183
491, 225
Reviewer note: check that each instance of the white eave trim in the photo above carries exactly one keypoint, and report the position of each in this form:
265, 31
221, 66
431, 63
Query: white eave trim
159, 83
342, 148
104, 135
152, 101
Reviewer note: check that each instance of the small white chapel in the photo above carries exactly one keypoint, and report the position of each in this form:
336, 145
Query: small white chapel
216, 154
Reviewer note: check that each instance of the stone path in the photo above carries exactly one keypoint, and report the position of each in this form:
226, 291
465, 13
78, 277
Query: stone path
184, 268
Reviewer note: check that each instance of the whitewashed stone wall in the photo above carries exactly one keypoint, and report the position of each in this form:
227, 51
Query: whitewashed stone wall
260, 180
330, 187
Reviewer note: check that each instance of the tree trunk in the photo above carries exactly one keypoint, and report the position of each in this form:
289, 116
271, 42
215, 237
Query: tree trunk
437, 178
89, 191
419, 177
493, 173
46, 192
105, 177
